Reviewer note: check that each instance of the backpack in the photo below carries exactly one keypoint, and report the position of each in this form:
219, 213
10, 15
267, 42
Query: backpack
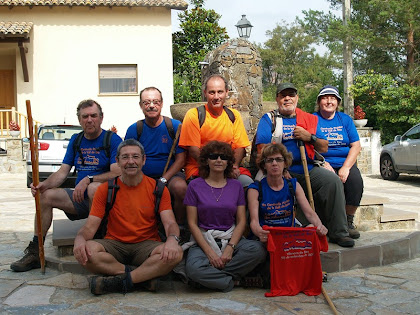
110, 200
292, 193
106, 145
276, 134
202, 114
168, 123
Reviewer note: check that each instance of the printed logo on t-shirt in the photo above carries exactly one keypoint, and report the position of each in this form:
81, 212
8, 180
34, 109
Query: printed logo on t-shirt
164, 139
334, 135
288, 132
89, 157
277, 214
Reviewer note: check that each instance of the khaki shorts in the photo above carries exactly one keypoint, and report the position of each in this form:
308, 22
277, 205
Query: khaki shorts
129, 254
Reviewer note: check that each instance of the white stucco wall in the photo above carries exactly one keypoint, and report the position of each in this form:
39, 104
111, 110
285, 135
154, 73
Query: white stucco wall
67, 44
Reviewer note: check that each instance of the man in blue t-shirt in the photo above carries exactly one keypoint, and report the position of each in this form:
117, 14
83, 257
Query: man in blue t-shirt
157, 141
94, 165
327, 188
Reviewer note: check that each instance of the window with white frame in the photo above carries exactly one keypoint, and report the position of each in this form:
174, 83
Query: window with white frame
117, 79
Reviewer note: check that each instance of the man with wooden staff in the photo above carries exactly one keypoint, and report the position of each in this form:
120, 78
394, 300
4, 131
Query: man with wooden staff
95, 163
327, 188
159, 136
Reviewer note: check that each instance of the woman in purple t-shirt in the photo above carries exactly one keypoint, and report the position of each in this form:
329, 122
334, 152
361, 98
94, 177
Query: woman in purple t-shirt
216, 217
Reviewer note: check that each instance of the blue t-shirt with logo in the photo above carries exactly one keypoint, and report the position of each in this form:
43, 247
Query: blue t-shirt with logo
157, 144
276, 208
95, 161
340, 132
264, 134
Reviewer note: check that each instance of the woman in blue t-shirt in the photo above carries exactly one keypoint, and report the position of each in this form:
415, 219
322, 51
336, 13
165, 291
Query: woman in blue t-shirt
343, 148
275, 206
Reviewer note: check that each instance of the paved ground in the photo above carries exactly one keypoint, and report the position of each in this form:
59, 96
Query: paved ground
393, 289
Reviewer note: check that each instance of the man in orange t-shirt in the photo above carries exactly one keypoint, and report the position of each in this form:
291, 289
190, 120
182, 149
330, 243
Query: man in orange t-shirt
217, 126
131, 252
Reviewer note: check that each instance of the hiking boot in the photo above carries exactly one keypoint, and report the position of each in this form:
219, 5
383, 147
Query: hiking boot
151, 285
119, 283
29, 261
352, 228
252, 282
343, 241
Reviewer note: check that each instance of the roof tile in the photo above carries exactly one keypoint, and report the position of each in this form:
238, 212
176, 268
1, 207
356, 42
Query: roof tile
15, 29
171, 4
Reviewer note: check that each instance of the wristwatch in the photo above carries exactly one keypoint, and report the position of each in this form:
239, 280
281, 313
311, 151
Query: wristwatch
163, 180
313, 139
175, 237
90, 179
232, 245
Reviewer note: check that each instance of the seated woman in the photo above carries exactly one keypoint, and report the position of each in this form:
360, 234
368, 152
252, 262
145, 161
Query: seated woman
216, 217
275, 206
343, 148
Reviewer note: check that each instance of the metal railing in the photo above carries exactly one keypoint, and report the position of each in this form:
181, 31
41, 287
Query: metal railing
6, 115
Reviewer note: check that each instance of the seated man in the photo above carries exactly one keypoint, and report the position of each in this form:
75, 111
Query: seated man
327, 188
131, 252
217, 123
156, 133
94, 159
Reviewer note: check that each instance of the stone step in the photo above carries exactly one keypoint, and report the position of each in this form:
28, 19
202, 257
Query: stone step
393, 214
374, 215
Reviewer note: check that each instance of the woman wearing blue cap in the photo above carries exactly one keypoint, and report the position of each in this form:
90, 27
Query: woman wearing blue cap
343, 148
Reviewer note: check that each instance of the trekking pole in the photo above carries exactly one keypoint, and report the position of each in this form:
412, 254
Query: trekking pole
311, 201
178, 131
33, 144
306, 172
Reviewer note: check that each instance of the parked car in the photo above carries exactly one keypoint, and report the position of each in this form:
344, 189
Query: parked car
52, 145
402, 155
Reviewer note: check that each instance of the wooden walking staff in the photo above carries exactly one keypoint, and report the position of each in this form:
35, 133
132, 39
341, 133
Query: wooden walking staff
33, 143
311, 202
172, 149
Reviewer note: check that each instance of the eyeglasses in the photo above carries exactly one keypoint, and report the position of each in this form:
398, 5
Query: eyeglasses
288, 93
127, 157
86, 116
271, 160
214, 156
148, 102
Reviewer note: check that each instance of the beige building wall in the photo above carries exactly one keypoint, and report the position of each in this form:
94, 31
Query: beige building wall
67, 44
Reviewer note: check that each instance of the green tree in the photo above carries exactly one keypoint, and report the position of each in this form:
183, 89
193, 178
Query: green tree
390, 106
200, 33
385, 35
289, 56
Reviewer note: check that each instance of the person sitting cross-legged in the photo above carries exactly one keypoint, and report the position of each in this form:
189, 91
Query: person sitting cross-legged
216, 216
131, 255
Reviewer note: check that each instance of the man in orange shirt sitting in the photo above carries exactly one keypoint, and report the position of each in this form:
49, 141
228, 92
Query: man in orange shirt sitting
131, 255
214, 122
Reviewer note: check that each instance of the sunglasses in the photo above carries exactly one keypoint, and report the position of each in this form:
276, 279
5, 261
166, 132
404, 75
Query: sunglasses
214, 156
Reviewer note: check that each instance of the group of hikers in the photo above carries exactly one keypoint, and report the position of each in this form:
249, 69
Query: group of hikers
168, 185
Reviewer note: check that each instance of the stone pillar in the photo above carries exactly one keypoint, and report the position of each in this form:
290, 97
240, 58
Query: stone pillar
13, 161
239, 62
368, 159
